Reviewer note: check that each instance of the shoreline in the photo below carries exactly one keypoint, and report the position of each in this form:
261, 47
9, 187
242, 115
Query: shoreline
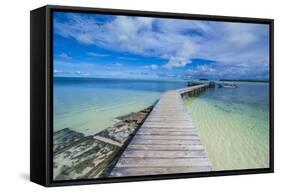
76, 156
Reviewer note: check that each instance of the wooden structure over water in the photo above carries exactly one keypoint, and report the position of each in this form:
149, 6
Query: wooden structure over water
167, 142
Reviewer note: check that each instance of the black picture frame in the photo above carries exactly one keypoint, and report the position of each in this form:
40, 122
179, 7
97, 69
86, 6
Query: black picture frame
41, 99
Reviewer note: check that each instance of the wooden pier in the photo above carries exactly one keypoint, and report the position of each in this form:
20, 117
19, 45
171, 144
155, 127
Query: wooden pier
167, 142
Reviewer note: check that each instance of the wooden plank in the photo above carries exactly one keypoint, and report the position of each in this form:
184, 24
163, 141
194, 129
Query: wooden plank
139, 141
165, 147
162, 162
164, 154
107, 140
168, 137
166, 117
137, 171
170, 119
167, 130
156, 132
171, 127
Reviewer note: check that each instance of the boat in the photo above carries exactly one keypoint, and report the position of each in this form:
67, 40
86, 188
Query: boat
227, 85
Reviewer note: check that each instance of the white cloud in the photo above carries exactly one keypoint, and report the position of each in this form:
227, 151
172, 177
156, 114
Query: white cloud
118, 65
226, 71
65, 56
241, 46
85, 38
241, 34
152, 67
97, 54
126, 58
127, 34
182, 57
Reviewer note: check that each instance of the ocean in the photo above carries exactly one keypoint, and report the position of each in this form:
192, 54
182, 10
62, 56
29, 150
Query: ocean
233, 124
90, 105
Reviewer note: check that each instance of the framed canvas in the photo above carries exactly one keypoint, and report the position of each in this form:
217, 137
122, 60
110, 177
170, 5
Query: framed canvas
126, 95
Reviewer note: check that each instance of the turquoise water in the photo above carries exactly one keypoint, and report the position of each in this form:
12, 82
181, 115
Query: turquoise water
89, 105
233, 124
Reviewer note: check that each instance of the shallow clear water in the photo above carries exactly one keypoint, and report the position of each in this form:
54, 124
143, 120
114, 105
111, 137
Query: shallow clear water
89, 105
233, 124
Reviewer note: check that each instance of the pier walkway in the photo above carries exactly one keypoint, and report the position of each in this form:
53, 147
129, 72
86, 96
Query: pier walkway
167, 142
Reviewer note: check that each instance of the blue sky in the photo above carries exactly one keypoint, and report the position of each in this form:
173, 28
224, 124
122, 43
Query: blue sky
92, 45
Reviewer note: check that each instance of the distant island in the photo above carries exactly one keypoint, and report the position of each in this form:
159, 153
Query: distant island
246, 80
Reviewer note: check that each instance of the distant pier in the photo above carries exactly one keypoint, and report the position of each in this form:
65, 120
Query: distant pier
167, 142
